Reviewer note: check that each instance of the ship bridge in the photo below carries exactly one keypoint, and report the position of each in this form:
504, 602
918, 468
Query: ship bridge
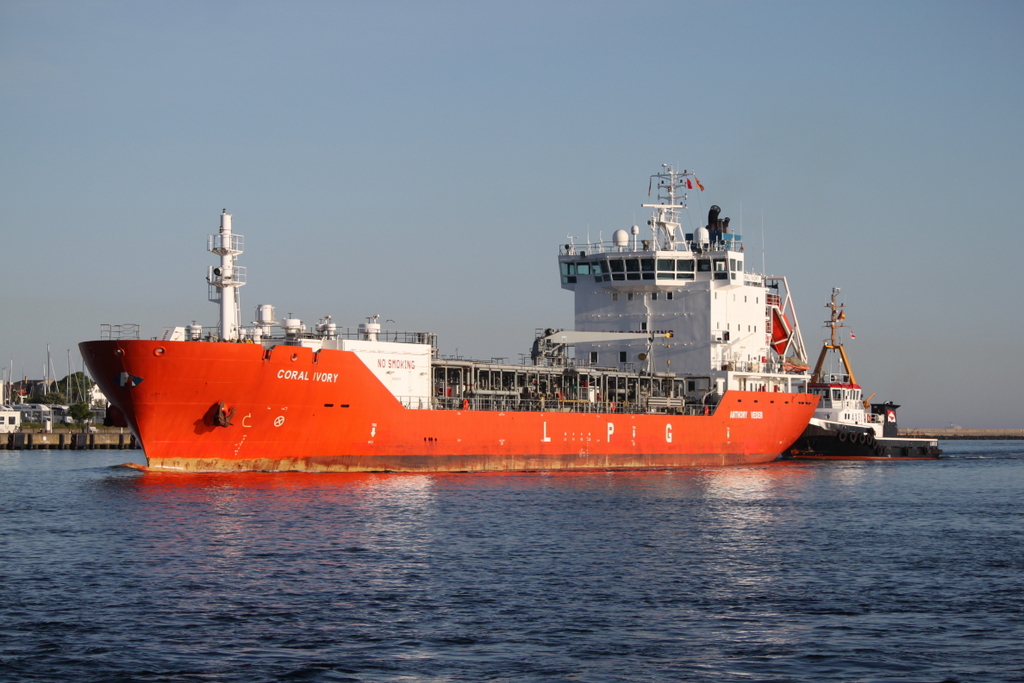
692, 292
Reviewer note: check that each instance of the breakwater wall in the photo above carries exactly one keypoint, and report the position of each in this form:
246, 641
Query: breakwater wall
955, 434
28, 441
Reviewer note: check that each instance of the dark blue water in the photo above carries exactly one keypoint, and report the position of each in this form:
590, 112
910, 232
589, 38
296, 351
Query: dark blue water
908, 571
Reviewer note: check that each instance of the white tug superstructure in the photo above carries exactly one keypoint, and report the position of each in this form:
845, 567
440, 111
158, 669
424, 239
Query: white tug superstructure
682, 302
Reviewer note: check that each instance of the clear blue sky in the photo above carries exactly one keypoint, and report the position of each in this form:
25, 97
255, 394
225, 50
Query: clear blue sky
423, 160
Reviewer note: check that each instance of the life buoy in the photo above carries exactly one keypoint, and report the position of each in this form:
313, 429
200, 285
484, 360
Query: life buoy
465, 404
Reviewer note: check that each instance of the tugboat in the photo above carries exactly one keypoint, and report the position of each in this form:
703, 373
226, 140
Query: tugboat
846, 426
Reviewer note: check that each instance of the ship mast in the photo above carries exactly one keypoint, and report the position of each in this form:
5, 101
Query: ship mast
666, 217
837, 315
226, 278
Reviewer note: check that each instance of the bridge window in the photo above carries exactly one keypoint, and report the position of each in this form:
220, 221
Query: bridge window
632, 269
617, 269
583, 269
704, 265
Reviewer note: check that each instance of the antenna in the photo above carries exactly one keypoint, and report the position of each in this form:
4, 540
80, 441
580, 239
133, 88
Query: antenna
763, 271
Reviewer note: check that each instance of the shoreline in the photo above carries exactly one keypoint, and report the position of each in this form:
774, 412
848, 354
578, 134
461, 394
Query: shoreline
964, 434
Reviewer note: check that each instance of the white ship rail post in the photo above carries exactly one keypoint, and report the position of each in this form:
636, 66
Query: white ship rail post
226, 278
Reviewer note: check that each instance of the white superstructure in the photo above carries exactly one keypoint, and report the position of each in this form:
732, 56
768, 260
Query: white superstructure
687, 300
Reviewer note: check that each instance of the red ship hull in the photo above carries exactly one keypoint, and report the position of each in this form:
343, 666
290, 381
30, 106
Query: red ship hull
282, 411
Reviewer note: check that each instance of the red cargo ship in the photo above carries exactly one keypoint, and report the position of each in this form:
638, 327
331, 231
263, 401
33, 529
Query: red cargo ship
277, 397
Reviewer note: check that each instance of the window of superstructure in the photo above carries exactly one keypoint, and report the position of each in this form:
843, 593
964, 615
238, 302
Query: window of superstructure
666, 268
668, 295
632, 269
654, 296
593, 357
647, 268
837, 394
568, 273
643, 327
704, 265
617, 268
615, 296
629, 296
583, 269
622, 356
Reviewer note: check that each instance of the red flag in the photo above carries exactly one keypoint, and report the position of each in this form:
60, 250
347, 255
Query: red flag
853, 336
697, 180
689, 184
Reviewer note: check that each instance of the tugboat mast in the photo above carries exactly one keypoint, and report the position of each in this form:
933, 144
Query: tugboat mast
837, 315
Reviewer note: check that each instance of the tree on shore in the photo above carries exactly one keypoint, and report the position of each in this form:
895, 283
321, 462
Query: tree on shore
80, 413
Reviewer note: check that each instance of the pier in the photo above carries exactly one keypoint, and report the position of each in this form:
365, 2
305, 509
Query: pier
961, 434
28, 441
